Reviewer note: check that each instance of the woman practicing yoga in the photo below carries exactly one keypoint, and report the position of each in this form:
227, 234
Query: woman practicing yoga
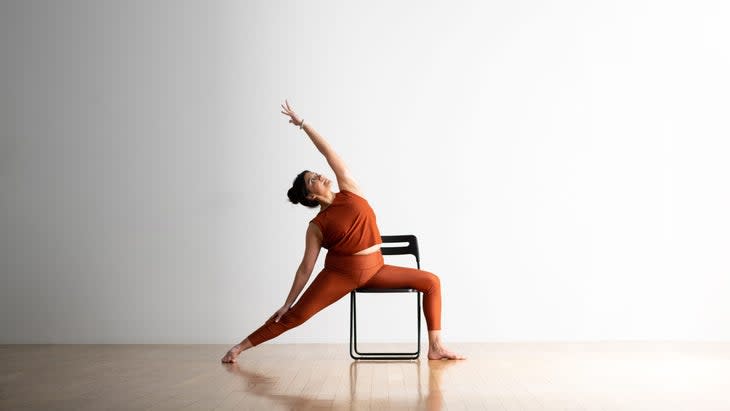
346, 227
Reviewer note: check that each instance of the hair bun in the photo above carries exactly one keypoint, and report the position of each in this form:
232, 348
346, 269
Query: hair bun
292, 196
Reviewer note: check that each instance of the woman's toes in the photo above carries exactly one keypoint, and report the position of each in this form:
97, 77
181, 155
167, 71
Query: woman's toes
444, 354
228, 358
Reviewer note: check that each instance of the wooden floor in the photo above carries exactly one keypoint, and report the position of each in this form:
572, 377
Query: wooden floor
496, 376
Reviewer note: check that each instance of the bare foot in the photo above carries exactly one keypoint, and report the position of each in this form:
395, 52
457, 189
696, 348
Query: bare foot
231, 355
439, 352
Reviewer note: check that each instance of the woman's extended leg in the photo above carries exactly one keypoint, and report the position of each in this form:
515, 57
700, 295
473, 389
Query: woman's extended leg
390, 276
328, 287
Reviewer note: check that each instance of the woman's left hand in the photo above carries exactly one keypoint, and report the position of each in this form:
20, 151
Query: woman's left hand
295, 119
277, 315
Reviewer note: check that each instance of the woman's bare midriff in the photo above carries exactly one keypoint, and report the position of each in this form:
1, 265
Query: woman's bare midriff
369, 250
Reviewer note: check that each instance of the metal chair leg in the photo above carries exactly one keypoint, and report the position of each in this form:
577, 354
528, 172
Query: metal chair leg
357, 355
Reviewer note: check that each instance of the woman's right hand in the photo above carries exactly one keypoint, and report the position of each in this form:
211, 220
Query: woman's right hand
277, 315
294, 118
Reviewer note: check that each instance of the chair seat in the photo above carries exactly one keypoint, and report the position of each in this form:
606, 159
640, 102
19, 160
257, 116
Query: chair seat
386, 290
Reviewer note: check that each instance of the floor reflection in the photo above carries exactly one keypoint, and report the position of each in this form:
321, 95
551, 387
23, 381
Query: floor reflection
412, 391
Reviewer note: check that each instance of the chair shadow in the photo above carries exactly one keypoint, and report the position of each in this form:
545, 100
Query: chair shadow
265, 386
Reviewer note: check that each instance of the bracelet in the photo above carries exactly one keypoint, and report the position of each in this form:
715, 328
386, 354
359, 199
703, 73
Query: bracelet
301, 125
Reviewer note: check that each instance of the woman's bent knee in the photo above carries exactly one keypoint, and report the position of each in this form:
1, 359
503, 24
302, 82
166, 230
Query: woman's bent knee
433, 282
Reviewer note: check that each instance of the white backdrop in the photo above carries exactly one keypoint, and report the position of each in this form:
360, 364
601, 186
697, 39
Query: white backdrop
564, 164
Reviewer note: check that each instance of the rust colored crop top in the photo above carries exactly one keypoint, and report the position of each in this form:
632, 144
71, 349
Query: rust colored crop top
348, 225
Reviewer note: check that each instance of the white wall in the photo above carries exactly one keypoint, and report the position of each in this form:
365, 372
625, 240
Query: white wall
564, 164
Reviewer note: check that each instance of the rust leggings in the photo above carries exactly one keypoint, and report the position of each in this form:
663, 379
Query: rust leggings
344, 273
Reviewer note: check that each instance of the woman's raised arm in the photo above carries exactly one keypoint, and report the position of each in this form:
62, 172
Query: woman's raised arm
344, 179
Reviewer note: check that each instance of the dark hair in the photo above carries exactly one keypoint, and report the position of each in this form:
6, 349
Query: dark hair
298, 192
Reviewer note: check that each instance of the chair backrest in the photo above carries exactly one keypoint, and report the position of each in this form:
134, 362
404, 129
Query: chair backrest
411, 247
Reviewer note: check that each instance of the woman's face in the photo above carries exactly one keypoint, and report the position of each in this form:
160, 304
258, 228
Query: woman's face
316, 184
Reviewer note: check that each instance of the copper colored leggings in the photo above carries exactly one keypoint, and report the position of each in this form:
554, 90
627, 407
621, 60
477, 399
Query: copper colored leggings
344, 273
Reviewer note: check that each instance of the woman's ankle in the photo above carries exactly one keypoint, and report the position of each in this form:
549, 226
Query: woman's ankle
434, 338
243, 346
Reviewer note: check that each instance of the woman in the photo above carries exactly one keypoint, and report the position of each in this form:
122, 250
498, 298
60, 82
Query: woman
346, 227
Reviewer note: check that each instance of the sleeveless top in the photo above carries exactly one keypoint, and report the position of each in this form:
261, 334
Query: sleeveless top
348, 225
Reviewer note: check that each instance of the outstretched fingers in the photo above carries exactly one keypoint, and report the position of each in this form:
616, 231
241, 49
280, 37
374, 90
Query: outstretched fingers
287, 107
287, 110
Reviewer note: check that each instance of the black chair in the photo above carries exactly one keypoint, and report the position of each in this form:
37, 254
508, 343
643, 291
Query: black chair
412, 249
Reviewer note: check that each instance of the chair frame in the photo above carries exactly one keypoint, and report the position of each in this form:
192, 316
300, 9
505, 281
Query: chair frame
412, 249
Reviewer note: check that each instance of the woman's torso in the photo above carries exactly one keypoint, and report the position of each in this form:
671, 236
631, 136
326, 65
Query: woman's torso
349, 225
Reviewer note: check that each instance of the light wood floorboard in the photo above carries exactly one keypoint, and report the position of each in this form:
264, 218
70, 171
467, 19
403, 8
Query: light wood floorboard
496, 376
